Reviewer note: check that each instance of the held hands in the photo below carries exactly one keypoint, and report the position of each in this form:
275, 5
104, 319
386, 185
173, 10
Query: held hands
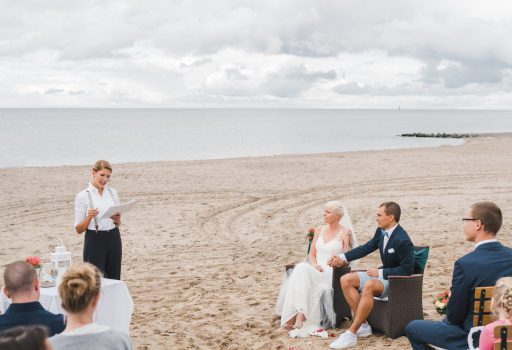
336, 261
373, 272
117, 219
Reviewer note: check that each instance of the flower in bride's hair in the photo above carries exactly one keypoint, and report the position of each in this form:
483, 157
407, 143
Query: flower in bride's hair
34, 261
310, 234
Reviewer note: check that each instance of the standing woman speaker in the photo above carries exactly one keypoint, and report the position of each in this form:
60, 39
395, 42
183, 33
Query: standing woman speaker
102, 246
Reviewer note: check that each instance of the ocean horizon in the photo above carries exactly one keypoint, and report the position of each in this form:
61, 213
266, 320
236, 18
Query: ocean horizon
56, 137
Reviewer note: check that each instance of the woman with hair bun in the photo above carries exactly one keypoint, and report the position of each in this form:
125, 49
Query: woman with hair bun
501, 307
80, 294
102, 246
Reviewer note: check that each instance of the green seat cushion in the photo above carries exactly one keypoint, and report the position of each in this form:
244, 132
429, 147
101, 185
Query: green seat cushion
420, 258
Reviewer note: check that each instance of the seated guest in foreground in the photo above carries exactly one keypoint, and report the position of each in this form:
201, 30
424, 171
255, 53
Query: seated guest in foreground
21, 285
25, 338
359, 288
80, 294
481, 268
501, 307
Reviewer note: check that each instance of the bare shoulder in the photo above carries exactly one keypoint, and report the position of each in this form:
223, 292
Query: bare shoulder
345, 231
319, 228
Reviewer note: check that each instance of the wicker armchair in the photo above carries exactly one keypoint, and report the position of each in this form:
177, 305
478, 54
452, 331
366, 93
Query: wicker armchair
403, 305
341, 307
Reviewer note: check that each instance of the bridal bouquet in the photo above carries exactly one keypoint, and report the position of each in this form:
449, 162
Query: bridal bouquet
310, 234
309, 237
441, 301
34, 261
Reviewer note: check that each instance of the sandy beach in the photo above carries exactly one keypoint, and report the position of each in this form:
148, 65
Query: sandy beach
204, 251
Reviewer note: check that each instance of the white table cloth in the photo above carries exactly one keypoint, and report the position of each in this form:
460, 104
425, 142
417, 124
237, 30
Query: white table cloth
114, 309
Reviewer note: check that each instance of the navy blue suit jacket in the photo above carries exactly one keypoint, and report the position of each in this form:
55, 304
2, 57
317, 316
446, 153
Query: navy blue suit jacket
397, 260
31, 314
480, 268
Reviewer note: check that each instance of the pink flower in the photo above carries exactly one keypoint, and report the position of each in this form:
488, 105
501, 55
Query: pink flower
34, 261
310, 234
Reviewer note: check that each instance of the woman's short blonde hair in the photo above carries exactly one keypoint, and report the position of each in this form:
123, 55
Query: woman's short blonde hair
501, 304
336, 207
101, 164
80, 285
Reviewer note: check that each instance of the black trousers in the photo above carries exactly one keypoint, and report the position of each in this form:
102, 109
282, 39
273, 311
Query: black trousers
104, 250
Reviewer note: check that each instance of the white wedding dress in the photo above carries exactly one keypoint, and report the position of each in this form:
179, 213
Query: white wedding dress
308, 290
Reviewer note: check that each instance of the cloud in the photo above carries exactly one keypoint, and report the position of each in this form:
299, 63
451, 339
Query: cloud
53, 91
454, 75
318, 52
292, 81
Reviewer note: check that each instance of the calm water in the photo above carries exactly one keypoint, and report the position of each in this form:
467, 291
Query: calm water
47, 137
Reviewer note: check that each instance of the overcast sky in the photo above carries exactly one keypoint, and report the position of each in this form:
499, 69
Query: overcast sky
236, 53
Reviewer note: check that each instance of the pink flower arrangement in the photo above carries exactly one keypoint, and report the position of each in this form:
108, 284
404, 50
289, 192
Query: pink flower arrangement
310, 234
34, 261
441, 301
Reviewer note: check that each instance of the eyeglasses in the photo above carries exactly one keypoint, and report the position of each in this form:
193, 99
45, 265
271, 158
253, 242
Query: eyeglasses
469, 219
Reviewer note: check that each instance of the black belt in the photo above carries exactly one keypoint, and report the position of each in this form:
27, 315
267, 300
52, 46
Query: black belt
105, 231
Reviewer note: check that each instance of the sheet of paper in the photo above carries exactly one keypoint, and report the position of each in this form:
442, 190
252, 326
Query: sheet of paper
119, 209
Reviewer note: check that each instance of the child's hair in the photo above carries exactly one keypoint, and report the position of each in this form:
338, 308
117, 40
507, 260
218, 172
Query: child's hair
80, 284
501, 304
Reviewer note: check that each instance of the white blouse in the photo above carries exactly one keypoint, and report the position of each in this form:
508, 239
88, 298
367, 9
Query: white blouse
82, 205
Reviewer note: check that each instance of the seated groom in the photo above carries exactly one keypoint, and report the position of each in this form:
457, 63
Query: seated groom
22, 286
481, 268
397, 255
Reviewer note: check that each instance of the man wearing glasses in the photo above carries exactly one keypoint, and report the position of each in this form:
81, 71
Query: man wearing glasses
489, 261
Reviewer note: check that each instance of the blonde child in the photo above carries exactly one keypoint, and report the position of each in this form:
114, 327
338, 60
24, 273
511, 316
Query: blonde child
501, 307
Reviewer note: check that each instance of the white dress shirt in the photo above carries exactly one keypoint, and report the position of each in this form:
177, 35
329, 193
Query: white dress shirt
485, 241
102, 203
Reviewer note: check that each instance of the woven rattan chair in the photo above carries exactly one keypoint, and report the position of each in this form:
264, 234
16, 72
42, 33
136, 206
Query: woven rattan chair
504, 334
403, 305
341, 307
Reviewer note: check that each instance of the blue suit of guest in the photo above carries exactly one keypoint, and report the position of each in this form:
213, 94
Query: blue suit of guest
32, 313
398, 257
481, 268
22, 286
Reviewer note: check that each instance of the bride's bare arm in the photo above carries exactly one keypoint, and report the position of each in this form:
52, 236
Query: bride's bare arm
312, 251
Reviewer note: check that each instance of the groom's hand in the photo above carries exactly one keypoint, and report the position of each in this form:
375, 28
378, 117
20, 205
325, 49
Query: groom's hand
373, 272
336, 261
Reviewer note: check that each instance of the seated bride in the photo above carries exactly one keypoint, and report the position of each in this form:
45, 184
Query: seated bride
303, 294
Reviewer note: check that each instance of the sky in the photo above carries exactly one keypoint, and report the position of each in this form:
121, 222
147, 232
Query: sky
237, 53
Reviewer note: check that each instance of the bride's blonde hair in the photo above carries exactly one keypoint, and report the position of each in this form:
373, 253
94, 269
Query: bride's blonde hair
336, 207
501, 304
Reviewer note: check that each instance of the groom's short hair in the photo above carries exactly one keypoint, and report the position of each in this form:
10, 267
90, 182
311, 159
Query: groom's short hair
489, 215
392, 208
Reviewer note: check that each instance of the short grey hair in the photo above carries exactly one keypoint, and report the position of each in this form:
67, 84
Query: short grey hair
336, 207
19, 276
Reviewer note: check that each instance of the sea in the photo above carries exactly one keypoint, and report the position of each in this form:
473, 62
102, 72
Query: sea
55, 137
